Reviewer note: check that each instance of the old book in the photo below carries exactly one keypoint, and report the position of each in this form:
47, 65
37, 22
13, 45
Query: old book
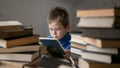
22, 56
8, 66
75, 38
102, 43
92, 48
24, 48
100, 57
82, 63
7, 43
18, 64
79, 46
76, 51
99, 22
12, 64
10, 26
51, 62
13, 34
54, 47
52, 42
43, 50
98, 12
101, 33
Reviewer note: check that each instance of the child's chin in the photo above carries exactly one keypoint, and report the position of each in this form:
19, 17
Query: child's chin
58, 38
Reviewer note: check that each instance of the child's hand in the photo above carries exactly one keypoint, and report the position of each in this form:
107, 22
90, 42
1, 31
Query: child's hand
67, 54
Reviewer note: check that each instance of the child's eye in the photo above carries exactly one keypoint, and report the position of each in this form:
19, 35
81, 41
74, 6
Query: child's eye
57, 29
51, 29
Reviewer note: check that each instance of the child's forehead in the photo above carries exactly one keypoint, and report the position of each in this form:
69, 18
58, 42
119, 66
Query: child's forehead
57, 23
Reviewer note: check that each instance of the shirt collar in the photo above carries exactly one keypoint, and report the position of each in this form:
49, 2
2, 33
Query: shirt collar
66, 38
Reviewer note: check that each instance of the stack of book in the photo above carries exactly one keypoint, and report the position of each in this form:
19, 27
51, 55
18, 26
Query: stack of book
99, 43
18, 44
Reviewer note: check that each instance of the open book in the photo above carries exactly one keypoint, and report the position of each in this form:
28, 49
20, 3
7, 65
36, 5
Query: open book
52, 42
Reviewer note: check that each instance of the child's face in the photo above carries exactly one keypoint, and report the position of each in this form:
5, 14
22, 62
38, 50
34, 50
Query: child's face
57, 30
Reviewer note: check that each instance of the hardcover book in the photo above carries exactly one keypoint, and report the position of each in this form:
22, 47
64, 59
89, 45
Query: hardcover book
55, 48
12, 42
101, 43
22, 56
99, 22
10, 26
100, 57
52, 42
91, 48
82, 63
18, 64
99, 12
101, 33
24, 48
13, 34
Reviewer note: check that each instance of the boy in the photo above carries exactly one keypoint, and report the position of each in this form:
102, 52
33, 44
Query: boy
59, 26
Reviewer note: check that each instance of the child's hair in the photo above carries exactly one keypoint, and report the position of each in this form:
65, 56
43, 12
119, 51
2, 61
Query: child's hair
59, 14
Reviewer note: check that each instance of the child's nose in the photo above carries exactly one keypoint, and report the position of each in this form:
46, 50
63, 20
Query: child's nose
54, 32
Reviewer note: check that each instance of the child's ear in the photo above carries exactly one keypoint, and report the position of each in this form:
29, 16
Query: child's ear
68, 27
